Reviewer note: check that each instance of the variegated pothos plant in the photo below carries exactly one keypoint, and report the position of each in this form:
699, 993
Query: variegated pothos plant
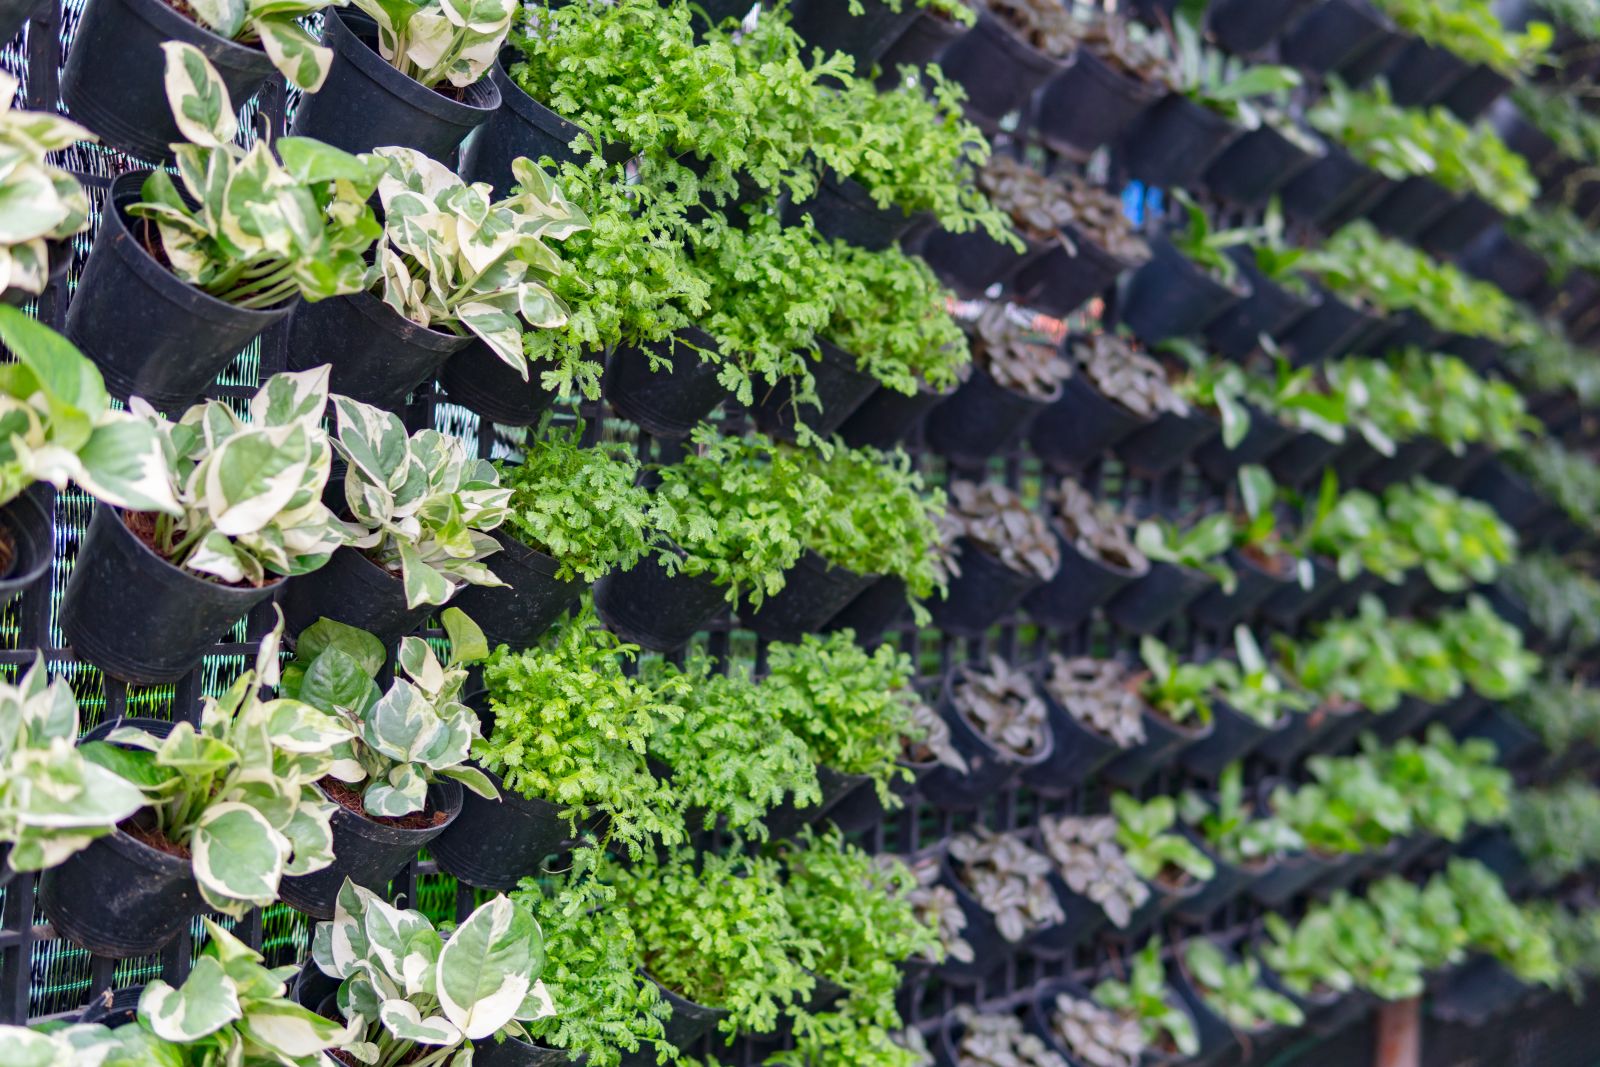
420, 504
416, 733
414, 997
453, 258
40, 202
238, 792
441, 40
249, 493
275, 24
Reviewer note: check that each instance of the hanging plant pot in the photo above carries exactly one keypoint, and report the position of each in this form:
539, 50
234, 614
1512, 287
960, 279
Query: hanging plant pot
886, 418
1346, 596
1270, 310
1172, 296
1234, 735
515, 1052
1524, 138
1407, 718
13, 13
842, 209
1376, 57
1257, 165
688, 1023
841, 388
370, 851
1266, 435
1229, 881
1332, 189
1089, 104
1293, 875
519, 127
1174, 142
862, 809
481, 381
113, 80
121, 897
27, 532
1163, 741
495, 844
1219, 1042
377, 355
119, 577
646, 607
875, 609
814, 591
1082, 583
983, 418
1329, 330
150, 333
1511, 495
1332, 34
990, 768
1061, 279
1454, 470
1470, 218
1163, 446
786, 820
1411, 207
1156, 599
1164, 896
672, 401
1518, 746
1076, 753
1080, 426
990, 950
1355, 459
1305, 732
1505, 262
366, 102
1084, 921
1301, 458
1255, 584
970, 263
1422, 74
1410, 459
831, 26
923, 42
357, 592
533, 598
986, 591
997, 68
1412, 329
1245, 27
1475, 92
1481, 989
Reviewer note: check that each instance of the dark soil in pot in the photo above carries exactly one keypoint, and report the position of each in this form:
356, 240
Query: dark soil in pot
1172, 296
1082, 583
1245, 27
1422, 74
377, 355
1089, 104
1234, 735
366, 102
118, 577
1332, 189
969, 263
990, 767
1059, 281
1332, 34
1470, 218
520, 127
354, 590
814, 592
1156, 599
886, 418
672, 401
646, 607
1256, 576
1080, 426
530, 602
841, 387
923, 42
113, 80
27, 540
830, 26
478, 379
985, 592
1174, 142
1220, 464
1164, 741
151, 333
997, 68
1252, 169
1164, 445
1411, 207
1270, 310
878, 607
983, 418
843, 209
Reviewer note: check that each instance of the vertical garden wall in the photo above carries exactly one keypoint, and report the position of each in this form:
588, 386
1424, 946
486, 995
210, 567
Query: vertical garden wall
1035, 533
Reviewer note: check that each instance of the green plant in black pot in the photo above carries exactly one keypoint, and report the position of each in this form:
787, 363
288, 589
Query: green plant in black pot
1473, 31
1199, 547
1221, 84
1096, 693
1233, 828
48, 203
1145, 997
1450, 785
1460, 542
1355, 659
1233, 989
1158, 854
1495, 924
1555, 829
890, 313
1349, 807
1180, 691
1256, 689
1559, 708
1561, 601
1486, 650
1094, 1035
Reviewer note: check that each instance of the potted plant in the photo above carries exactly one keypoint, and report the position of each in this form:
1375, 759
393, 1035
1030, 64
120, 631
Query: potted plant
1039, 207
193, 569
1173, 865
1114, 72
865, 31
407, 992
1451, 785
1251, 170
1016, 376
1096, 245
435, 288
1550, 828
1346, 811
999, 724
1177, 697
1263, 561
1280, 294
1184, 563
420, 507
1085, 1031
971, 1039
1004, 890
1003, 552
1115, 392
1231, 1005
1092, 879
177, 283
1014, 48
1241, 841
412, 78
1094, 715
1190, 281
1098, 558
576, 513
35, 252
927, 742
230, 809
1167, 1024
1254, 701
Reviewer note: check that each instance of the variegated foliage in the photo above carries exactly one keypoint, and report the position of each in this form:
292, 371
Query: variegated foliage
249, 491
57, 425
441, 40
86, 1045
420, 505
238, 792
254, 227
455, 259
416, 733
38, 202
274, 23
403, 985
53, 802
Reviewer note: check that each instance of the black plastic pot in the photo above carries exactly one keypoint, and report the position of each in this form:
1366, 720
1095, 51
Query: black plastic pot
1084, 921
646, 607
13, 13
1333, 188
530, 602
985, 592
121, 898
1174, 142
1509, 493
830, 26
924, 41
180, 615
1220, 464
1292, 602
1080, 426
861, 809
997, 68
1328, 331
151, 333
1163, 900
1411, 327
367, 852
1257, 165
1089, 104
1163, 445
1346, 595
515, 1052
843, 209
1171, 296
1376, 58
1292, 875
1409, 459
1411, 207
1220, 890
1254, 585
1498, 258
1269, 310
356, 591
1219, 1043
478, 379
990, 768
886, 418
1422, 74
519, 127
1302, 458
1523, 137
1469, 219
983, 418
669, 402
688, 1023
377, 355
970, 263
1059, 281
786, 819
1076, 752
365, 102
1244, 27
1454, 470
990, 950
1496, 850
28, 522
814, 591
1355, 459
1233, 736
1518, 746
1081, 584
1156, 599
494, 844
841, 388
1041, 1008
1331, 34
1475, 92
876, 608
1164, 741
113, 81
1477, 991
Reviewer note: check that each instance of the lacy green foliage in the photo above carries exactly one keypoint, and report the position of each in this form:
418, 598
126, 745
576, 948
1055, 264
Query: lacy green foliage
1232, 828
572, 729
843, 1038
1557, 829
1548, 361
1565, 121
716, 930
1560, 708
1348, 807
1558, 236
880, 517
1178, 690
850, 706
582, 506
1450, 785
1575, 936
603, 1005
739, 509
891, 315
1154, 850
1233, 989
1581, 16
1570, 479
1145, 998
732, 754
1472, 30
1199, 547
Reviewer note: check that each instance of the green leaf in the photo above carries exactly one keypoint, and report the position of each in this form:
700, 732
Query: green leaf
198, 98
206, 1003
488, 966
467, 643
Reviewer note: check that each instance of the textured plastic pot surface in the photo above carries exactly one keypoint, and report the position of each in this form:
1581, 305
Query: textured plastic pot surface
530, 602
1266, 435
970, 263
28, 522
1080, 426
875, 609
1253, 586
1332, 34
1082, 583
997, 68
1331, 188
356, 591
814, 592
886, 417
1061, 280
1156, 599
1257, 165
983, 418
1171, 296
646, 607
520, 127
1244, 27
1164, 740
476, 378
1411, 207
1162, 446
832, 27
675, 398
843, 209
841, 387
923, 42
119, 578
494, 844
1422, 74
1174, 141
1270, 310
1089, 104
377, 355
985, 592
1234, 735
